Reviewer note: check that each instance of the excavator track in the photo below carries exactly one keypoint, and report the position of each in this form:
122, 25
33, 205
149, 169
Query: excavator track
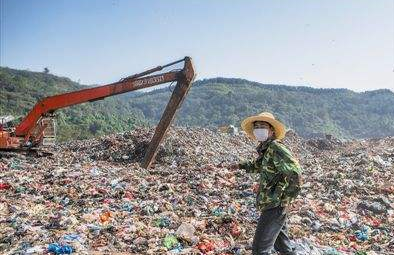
29, 152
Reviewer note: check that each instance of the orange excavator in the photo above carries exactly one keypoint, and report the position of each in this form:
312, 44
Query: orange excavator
38, 127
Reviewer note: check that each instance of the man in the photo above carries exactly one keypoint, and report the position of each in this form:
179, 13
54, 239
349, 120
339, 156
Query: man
279, 183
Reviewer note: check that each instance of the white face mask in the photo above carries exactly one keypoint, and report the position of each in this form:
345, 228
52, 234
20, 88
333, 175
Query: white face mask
261, 134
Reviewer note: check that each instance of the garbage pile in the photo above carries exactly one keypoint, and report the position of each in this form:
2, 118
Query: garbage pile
92, 197
186, 147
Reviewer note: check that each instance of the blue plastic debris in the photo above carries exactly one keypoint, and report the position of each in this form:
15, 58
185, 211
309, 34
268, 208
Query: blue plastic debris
60, 249
127, 207
218, 211
362, 235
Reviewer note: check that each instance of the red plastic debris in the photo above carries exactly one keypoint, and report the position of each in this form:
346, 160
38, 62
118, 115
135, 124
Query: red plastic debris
4, 186
235, 230
206, 246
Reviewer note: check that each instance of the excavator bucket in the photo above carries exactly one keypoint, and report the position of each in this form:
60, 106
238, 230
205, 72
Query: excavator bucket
178, 95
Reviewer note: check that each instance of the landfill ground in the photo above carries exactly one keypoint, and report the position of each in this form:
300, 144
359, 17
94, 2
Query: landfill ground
91, 196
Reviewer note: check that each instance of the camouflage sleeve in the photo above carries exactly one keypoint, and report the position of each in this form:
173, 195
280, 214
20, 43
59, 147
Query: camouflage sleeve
290, 169
250, 166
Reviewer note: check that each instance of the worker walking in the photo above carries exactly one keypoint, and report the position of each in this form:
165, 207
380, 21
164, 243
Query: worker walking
279, 183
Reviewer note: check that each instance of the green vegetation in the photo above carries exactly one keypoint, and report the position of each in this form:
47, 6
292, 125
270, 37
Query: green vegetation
211, 102
310, 112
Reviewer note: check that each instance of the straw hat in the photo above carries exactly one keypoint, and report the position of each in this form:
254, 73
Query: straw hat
279, 128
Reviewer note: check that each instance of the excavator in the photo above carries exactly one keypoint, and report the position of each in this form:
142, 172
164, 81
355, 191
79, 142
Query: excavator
38, 127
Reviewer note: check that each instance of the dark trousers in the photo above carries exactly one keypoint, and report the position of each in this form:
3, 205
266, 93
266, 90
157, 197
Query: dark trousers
272, 232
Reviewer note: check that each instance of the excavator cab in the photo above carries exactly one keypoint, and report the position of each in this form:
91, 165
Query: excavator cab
49, 133
44, 133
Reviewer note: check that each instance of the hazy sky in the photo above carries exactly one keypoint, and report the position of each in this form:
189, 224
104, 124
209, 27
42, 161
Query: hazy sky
326, 43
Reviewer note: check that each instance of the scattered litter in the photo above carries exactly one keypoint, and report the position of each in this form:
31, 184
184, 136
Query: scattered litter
93, 197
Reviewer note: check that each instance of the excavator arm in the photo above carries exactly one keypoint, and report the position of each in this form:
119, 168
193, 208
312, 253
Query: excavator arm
31, 131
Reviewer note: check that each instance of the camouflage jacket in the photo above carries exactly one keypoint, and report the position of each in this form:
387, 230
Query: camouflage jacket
280, 179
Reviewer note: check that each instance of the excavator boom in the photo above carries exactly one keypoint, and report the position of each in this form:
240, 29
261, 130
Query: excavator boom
56, 102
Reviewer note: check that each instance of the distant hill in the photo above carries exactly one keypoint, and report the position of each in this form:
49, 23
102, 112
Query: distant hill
309, 111
211, 102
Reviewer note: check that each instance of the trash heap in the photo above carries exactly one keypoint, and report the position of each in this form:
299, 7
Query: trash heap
92, 197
